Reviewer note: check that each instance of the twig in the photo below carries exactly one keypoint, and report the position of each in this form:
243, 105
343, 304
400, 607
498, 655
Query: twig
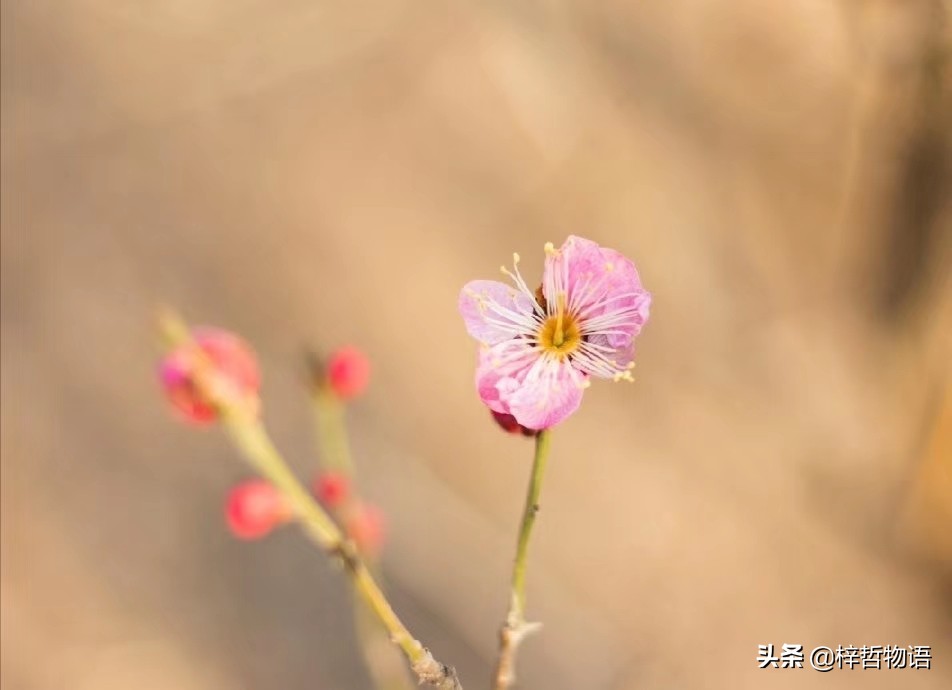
251, 438
384, 664
516, 628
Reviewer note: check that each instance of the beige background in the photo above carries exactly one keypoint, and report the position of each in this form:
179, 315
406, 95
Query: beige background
314, 173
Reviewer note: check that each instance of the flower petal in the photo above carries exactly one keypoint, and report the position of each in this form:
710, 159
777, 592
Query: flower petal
494, 312
602, 288
549, 393
623, 319
597, 357
500, 371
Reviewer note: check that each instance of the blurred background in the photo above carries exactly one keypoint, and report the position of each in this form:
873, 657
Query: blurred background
310, 174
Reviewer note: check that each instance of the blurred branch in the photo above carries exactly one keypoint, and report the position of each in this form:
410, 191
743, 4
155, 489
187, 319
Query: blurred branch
254, 443
912, 250
382, 662
252, 440
901, 77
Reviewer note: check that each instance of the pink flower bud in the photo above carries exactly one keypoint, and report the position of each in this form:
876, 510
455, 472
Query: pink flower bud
509, 424
348, 372
253, 508
366, 528
332, 488
229, 372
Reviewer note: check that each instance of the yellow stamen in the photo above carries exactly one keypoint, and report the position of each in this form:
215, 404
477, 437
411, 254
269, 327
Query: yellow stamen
560, 334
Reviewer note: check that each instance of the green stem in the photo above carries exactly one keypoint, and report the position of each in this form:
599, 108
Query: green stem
383, 662
516, 628
386, 668
251, 438
332, 432
254, 442
529, 512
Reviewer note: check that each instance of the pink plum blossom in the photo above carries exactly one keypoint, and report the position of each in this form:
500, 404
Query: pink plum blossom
539, 348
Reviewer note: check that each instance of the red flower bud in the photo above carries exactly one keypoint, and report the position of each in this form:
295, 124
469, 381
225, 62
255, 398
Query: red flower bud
332, 488
348, 372
509, 424
366, 528
253, 508
229, 373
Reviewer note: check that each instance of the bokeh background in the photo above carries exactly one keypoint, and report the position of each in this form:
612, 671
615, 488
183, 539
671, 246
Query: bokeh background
313, 173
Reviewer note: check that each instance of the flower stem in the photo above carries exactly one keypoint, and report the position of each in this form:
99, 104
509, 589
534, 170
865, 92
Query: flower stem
253, 441
516, 628
384, 665
331, 432
251, 438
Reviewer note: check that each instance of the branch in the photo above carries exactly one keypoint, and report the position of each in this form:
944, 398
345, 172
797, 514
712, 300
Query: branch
251, 438
516, 628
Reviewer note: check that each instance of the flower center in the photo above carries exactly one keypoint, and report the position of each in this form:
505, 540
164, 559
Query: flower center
560, 334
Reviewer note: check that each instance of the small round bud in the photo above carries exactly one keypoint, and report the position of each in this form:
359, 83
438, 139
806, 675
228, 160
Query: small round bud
229, 372
254, 508
332, 489
366, 528
348, 372
509, 424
